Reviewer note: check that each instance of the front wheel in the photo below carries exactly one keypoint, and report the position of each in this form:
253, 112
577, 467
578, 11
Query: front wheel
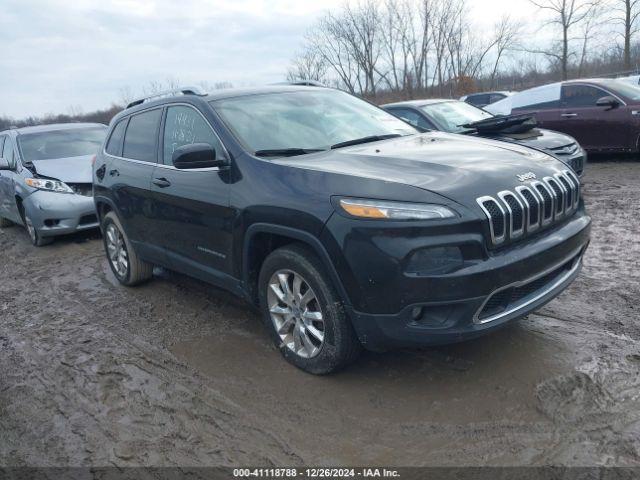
125, 264
304, 313
4, 223
35, 237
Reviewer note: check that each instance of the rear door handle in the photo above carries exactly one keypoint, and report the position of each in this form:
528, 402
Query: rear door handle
161, 182
569, 115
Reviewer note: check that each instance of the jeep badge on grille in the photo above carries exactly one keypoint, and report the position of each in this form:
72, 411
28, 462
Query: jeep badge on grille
526, 176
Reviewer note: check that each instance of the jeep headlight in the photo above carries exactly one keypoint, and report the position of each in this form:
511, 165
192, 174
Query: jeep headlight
49, 185
382, 209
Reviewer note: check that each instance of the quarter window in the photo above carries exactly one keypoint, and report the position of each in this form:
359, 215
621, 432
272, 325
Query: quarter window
114, 146
185, 126
1, 145
141, 138
575, 96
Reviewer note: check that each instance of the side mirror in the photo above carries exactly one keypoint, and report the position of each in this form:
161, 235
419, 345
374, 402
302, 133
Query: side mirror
609, 102
4, 164
196, 155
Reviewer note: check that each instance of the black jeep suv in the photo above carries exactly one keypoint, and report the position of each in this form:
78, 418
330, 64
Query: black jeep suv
343, 224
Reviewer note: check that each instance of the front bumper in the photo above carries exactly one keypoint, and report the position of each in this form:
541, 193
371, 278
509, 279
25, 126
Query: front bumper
55, 213
507, 285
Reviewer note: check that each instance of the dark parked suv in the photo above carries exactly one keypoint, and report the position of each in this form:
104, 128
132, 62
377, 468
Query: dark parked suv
341, 222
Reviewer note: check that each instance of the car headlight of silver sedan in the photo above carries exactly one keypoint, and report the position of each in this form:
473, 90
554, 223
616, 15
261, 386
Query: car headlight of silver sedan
49, 185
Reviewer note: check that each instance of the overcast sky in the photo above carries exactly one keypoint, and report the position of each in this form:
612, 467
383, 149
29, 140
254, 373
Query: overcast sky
59, 54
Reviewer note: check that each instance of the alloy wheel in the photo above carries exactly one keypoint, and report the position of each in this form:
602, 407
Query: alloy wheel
31, 229
117, 250
296, 314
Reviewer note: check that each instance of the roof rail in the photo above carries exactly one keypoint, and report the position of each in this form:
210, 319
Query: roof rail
168, 93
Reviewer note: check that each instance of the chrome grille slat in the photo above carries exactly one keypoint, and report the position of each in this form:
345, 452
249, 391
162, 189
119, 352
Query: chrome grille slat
533, 207
516, 228
497, 235
513, 214
568, 186
558, 195
548, 205
576, 184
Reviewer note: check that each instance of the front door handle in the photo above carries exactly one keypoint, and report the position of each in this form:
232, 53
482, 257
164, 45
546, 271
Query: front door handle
569, 115
161, 182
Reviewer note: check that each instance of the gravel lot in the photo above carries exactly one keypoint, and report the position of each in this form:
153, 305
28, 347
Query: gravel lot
179, 373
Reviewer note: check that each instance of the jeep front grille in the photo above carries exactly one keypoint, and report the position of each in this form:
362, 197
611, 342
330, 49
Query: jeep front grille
527, 208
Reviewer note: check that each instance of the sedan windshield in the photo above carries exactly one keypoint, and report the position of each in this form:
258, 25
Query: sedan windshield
450, 116
299, 122
61, 143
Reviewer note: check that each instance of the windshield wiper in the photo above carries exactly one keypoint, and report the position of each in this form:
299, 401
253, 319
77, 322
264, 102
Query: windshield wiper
358, 141
286, 152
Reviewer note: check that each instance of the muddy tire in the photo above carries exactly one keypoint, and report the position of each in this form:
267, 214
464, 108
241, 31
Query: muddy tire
36, 239
125, 264
303, 312
4, 223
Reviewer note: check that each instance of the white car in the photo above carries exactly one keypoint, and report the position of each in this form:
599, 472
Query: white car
633, 79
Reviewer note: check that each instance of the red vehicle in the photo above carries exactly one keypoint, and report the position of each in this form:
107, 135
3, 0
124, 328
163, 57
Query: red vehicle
602, 114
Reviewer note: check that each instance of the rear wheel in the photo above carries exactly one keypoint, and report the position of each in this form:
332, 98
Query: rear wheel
303, 312
125, 264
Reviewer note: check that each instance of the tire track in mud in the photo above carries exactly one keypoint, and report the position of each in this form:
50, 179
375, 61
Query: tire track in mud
77, 388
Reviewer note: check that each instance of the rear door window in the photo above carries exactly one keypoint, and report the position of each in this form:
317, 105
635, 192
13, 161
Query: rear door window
141, 138
581, 96
114, 146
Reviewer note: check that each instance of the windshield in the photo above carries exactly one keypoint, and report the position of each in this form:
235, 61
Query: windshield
448, 116
621, 88
305, 120
61, 143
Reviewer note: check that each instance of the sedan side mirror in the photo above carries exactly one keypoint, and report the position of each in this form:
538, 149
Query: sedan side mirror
609, 102
196, 155
4, 164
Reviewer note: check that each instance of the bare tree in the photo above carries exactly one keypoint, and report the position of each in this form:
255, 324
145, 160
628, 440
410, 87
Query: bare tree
626, 13
310, 64
157, 86
507, 34
566, 14
588, 33
126, 95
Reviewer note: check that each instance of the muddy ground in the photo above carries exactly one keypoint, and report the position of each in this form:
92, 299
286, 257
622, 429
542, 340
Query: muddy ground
179, 373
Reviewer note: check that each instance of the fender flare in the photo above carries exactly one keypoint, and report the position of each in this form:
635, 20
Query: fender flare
108, 201
301, 236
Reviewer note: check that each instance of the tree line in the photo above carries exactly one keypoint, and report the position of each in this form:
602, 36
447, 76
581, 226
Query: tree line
395, 49
405, 48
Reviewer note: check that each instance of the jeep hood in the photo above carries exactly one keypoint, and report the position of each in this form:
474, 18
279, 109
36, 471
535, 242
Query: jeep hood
458, 167
69, 170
